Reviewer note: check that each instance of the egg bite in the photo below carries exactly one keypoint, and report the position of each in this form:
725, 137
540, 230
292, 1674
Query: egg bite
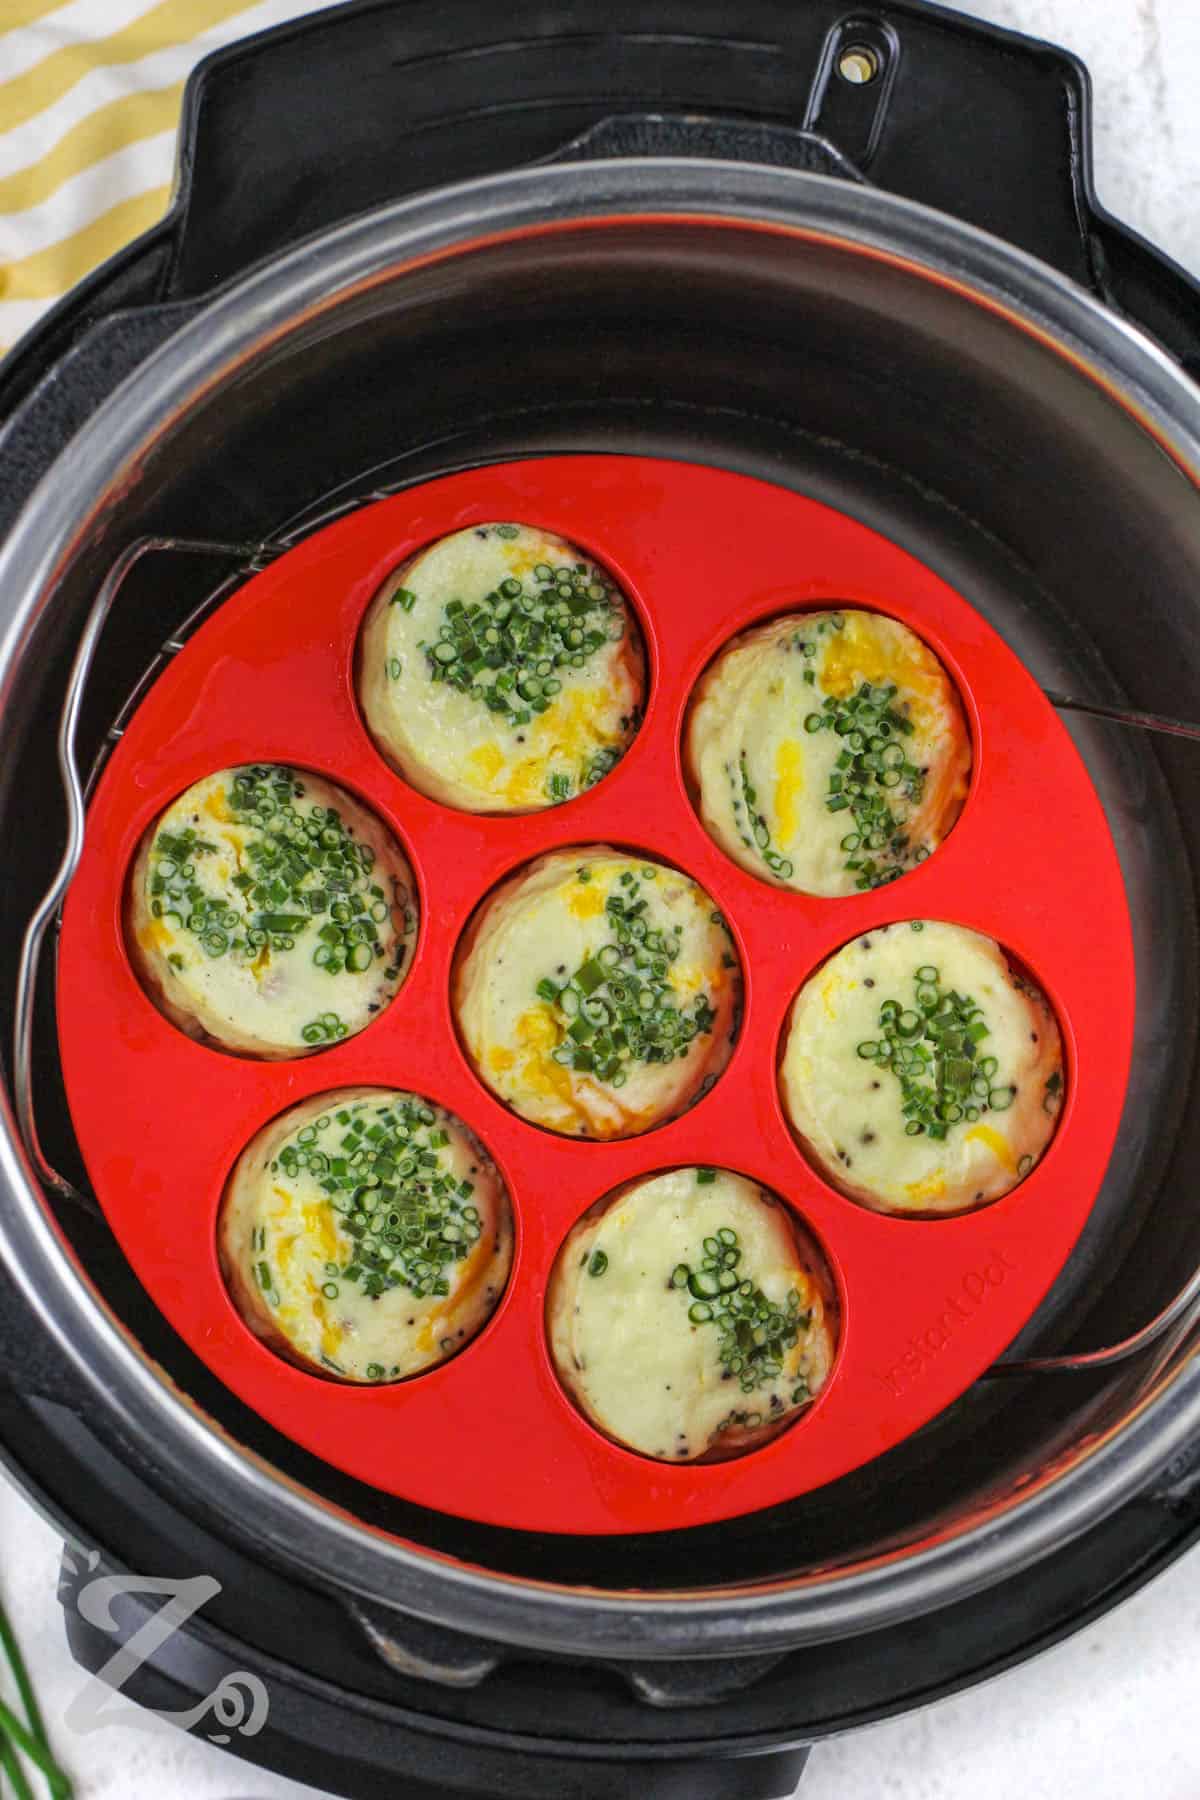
689, 1317
269, 913
922, 1073
365, 1234
598, 993
500, 670
827, 752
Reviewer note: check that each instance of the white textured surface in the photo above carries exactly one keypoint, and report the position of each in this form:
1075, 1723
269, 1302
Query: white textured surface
1111, 1712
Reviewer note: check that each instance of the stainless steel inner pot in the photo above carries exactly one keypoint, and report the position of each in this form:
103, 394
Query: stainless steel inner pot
1036, 450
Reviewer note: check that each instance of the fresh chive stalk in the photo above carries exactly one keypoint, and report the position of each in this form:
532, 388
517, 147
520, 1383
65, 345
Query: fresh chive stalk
26, 1739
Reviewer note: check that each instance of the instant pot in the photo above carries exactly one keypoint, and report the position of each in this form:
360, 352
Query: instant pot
852, 253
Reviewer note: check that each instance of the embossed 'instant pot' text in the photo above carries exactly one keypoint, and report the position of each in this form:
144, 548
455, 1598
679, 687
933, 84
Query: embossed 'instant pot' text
961, 1305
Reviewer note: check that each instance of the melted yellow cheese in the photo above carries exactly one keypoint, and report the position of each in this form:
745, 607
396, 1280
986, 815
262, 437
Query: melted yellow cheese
995, 1142
789, 785
858, 653
929, 1187
538, 1033
586, 899
486, 762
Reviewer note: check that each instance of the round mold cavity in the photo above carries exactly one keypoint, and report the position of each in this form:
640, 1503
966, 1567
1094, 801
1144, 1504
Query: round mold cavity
409, 899
747, 1436
759, 855
982, 1119
256, 1315
490, 1435
421, 773
722, 1042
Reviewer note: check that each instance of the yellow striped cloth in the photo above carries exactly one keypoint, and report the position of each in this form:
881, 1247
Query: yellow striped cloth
90, 93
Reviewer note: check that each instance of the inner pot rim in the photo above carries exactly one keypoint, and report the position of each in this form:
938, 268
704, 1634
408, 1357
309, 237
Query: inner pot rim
70, 505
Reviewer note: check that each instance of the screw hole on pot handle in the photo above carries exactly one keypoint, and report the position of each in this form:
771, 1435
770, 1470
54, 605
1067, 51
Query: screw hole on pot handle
852, 88
858, 64
252, 556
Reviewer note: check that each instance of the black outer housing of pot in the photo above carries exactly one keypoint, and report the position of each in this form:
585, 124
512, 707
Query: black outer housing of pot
286, 135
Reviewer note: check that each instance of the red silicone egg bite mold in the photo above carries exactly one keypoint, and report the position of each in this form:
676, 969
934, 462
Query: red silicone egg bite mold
926, 1305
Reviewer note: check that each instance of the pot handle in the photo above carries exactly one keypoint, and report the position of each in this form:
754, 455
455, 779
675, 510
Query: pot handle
306, 125
297, 129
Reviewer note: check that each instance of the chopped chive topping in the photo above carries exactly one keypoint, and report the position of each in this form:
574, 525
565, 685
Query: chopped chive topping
508, 648
755, 1333
704, 1177
872, 780
618, 1009
752, 824
302, 874
324, 1030
393, 1190
405, 598
599, 764
932, 1050
597, 1262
